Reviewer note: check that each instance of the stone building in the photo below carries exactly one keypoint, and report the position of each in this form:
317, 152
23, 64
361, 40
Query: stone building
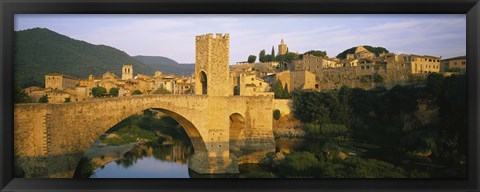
248, 84
421, 64
454, 64
59, 81
282, 48
313, 64
297, 79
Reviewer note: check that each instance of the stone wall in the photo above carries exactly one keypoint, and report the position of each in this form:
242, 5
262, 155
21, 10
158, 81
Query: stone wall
284, 105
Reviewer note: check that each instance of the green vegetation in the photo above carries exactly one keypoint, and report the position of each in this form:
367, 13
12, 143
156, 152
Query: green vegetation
276, 114
317, 53
130, 134
161, 90
273, 53
306, 164
20, 96
395, 119
98, 91
252, 58
40, 51
136, 92
375, 50
113, 91
261, 56
43, 99
279, 91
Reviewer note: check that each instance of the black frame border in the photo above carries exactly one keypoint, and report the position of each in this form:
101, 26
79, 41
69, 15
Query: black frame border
10, 7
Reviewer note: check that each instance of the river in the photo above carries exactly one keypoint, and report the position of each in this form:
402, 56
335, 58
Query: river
157, 160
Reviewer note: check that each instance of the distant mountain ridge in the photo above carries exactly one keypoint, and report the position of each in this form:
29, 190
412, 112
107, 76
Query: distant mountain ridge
40, 51
166, 65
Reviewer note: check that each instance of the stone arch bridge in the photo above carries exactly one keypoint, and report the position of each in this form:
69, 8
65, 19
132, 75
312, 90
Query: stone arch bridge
50, 139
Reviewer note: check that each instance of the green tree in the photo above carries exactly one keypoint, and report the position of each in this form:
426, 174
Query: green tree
268, 58
114, 91
317, 53
278, 89
434, 85
43, 99
20, 96
252, 58
136, 92
285, 94
98, 91
261, 56
273, 53
290, 57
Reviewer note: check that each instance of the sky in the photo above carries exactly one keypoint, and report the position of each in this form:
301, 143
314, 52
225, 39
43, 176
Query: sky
173, 36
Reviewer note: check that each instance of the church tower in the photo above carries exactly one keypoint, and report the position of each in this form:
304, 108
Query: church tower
211, 65
127, 72
282, 48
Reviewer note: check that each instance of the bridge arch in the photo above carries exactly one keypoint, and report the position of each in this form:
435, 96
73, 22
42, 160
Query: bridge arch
190, 128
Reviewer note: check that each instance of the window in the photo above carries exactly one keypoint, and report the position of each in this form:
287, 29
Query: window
454, 63
463, 62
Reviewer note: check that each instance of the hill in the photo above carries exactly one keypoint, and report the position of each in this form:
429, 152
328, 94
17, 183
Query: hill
166, 65
40, 51
375, 50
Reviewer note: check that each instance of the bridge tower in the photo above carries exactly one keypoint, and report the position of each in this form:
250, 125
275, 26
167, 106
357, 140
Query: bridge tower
211, 65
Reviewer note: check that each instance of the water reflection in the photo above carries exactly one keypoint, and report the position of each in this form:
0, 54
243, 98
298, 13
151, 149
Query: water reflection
151, 160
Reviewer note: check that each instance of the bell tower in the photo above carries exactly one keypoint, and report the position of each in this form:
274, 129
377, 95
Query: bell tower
127, 72
211, 65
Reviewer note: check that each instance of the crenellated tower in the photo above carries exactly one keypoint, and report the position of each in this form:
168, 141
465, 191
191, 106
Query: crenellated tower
211, 65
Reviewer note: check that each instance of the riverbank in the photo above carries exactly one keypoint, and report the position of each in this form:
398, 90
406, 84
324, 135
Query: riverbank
288, 126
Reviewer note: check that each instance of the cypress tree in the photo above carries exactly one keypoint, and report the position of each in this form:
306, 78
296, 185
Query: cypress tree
273, 53
278, 90
285, 94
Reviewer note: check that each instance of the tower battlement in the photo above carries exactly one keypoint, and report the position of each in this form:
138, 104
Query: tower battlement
226, 36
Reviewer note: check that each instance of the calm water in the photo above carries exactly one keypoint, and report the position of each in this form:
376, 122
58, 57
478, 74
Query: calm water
171, 161
149, 161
